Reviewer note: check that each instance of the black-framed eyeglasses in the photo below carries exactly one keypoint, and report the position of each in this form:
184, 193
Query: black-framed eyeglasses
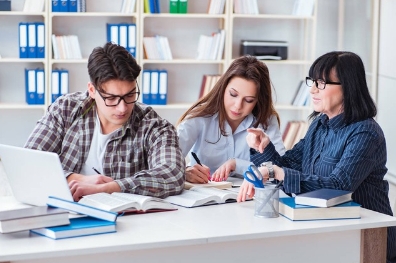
114, 100
320, 83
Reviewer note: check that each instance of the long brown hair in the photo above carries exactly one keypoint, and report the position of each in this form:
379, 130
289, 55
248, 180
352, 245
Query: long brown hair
246, 67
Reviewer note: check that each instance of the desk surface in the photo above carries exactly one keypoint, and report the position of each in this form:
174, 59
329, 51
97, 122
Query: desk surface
184, 227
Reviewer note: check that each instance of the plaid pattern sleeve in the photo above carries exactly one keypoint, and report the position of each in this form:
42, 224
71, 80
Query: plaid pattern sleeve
148, 160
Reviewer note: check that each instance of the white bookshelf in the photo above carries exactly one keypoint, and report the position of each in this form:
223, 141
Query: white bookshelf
307, 36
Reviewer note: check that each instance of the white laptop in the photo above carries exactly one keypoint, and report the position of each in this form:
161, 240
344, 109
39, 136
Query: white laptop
34, 175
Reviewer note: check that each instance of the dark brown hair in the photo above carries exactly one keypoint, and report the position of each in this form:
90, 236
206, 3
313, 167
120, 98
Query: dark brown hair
111, 62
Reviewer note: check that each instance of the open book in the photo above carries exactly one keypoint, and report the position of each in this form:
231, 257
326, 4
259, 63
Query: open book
210, 184
108, 206
124, 202
199, 196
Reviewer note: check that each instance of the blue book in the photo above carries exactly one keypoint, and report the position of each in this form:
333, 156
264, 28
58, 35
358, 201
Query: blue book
83, 226
295, 212
324, 197
82, 209
154, 86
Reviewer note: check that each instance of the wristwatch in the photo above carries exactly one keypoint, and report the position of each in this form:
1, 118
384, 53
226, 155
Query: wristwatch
271, 173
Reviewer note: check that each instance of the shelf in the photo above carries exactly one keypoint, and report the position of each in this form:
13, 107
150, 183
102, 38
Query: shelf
269, 16
184, 16
21, 106
182, 61
93, 14
21, 13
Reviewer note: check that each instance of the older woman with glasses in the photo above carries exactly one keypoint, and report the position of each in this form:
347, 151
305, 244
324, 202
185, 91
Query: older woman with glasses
106, 140
344, 147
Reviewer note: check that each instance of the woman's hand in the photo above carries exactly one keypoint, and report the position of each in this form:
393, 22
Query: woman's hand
221, 174
245, 190
198, 174
257, 139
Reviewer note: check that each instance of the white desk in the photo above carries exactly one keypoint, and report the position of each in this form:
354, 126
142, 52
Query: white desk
222, 233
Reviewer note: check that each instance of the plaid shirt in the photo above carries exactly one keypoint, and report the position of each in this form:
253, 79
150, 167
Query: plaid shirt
143, 157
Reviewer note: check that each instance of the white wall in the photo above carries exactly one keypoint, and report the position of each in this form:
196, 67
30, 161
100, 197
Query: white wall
387, 79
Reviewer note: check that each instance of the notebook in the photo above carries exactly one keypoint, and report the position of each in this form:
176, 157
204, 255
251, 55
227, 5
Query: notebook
34, 175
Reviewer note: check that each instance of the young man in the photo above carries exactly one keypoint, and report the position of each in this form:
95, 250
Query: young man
106, 140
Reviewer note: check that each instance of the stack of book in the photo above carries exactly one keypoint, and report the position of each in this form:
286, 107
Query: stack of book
211, 47
128, 6
216, 7
319, 205
100, 212
32, 217
33, 6
157, 48
66, 47
246, 7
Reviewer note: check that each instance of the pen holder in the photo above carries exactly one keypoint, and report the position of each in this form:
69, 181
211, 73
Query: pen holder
266, 202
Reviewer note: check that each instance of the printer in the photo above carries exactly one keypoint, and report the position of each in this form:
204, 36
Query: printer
263, 49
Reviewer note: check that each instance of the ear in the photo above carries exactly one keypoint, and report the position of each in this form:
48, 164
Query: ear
91, 90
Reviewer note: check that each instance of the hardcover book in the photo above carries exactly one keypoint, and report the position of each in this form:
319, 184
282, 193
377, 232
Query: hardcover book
289, 209
32, 217
82, 226
324, 197
108, 206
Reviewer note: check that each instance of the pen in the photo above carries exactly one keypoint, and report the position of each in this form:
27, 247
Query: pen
279, 184
95, 170
196, 158
198, 161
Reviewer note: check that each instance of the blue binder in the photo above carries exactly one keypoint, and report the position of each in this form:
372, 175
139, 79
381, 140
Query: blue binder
55, 5
64, 82
113, 33
55, 84
40, 40
23, 40
32, 48
154, 85
63, 7
146, 95
72, 5
123, 35
132, 39
30, 86
163, 87
40, 86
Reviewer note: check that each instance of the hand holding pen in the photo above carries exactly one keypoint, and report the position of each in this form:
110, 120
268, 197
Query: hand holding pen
198, 173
